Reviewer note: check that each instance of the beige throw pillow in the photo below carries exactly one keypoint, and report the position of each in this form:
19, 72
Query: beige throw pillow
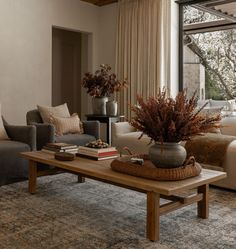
46, 112
3, 133
66, 125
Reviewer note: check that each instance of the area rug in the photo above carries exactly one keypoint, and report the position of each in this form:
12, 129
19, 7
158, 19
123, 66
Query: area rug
67, 215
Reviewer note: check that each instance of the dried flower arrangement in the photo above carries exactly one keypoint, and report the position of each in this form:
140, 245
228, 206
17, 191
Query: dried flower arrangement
103, 83
165, 119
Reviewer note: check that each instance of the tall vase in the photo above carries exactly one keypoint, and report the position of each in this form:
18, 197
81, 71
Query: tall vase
167, 155
99, 105
111, 108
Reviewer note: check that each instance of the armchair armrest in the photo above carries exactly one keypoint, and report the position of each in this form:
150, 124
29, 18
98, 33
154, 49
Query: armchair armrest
24, 134
92, 128
45, 134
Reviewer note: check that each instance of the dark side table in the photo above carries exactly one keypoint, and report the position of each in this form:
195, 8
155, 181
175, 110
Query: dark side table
107, 120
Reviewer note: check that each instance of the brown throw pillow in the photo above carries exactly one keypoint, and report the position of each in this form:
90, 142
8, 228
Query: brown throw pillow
46, 112
66, 125
3, 133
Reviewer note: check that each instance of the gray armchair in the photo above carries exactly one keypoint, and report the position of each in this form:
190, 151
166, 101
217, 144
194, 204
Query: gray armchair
46, 132
12, 166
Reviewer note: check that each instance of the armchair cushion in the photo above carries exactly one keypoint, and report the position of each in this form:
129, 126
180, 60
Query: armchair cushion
66, 125
59, 111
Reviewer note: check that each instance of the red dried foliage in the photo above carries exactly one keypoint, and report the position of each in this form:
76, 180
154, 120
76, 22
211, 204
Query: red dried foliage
165, 119
103, 83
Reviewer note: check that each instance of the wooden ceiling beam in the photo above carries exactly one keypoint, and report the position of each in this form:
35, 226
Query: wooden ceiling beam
100, 2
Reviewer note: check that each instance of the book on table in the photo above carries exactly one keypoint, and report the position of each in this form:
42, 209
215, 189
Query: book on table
98, 158
60, 147
110, 151
98, 154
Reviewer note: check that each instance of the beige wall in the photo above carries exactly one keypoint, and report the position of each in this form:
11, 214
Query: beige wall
25, 49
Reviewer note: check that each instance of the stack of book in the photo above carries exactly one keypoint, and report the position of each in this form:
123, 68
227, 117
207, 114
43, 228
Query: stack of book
98, 154
60, 147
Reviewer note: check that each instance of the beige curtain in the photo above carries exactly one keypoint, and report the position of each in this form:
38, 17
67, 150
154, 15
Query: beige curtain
142, 54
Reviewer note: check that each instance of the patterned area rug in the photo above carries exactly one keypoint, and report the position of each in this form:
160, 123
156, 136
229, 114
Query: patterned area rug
65, 214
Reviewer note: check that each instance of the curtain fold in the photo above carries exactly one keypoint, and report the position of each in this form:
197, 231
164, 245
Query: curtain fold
142, 51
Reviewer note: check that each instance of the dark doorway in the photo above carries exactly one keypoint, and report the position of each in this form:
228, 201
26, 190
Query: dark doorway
66, 68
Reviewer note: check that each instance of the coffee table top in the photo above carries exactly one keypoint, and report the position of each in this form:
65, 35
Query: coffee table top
101, 170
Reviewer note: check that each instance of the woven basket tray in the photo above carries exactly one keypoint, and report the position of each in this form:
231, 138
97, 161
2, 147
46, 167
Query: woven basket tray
149, 171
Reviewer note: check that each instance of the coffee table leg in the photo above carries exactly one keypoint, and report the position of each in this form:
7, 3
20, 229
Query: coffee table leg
153, 216
32, 176
203, 205
81, 179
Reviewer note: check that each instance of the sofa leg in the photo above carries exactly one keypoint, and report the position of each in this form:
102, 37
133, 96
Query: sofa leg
81, 179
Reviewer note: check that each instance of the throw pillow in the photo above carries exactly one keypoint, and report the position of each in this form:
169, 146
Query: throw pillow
67, 125
3, 133
59, 111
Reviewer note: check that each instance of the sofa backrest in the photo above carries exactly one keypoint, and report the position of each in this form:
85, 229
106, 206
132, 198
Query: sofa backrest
33, 116
228, 126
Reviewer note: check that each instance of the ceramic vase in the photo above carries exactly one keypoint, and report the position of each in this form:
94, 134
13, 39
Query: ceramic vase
167, 155
99, 105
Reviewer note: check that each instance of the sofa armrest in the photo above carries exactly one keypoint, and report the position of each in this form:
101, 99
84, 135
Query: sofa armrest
120, 128
92, 128
45, 134
24, 134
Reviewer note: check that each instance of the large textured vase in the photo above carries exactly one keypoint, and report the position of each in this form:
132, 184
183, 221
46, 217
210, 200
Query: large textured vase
99, 105
167, 155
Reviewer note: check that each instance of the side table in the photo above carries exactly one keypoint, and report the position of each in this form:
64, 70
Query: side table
107, 120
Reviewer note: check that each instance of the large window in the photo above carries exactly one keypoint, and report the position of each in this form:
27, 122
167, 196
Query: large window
209, 54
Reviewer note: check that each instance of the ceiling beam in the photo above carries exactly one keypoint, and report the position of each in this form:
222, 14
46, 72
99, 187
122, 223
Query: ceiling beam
221, 2
191, 2
100, 2
212, 26
215, 12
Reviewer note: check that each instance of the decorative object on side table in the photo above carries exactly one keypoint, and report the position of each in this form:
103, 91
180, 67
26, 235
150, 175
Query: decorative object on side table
168, 121
101, 85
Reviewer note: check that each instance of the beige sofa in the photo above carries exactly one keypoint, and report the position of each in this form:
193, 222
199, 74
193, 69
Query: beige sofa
125, 135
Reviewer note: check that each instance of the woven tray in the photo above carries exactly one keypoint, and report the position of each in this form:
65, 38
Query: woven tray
149, 171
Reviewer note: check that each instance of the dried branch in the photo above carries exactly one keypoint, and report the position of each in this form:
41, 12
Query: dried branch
164, 119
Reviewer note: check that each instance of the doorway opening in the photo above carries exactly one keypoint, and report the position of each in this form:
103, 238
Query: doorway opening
70, 60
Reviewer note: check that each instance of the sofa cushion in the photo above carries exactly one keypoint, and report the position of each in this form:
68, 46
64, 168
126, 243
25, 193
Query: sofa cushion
47, 111
3, 133
78, 139
12, 166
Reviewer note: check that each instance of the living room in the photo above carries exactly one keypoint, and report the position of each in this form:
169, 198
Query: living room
151, 48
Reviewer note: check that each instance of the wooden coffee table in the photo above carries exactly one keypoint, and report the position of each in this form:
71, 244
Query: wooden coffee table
101, 171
